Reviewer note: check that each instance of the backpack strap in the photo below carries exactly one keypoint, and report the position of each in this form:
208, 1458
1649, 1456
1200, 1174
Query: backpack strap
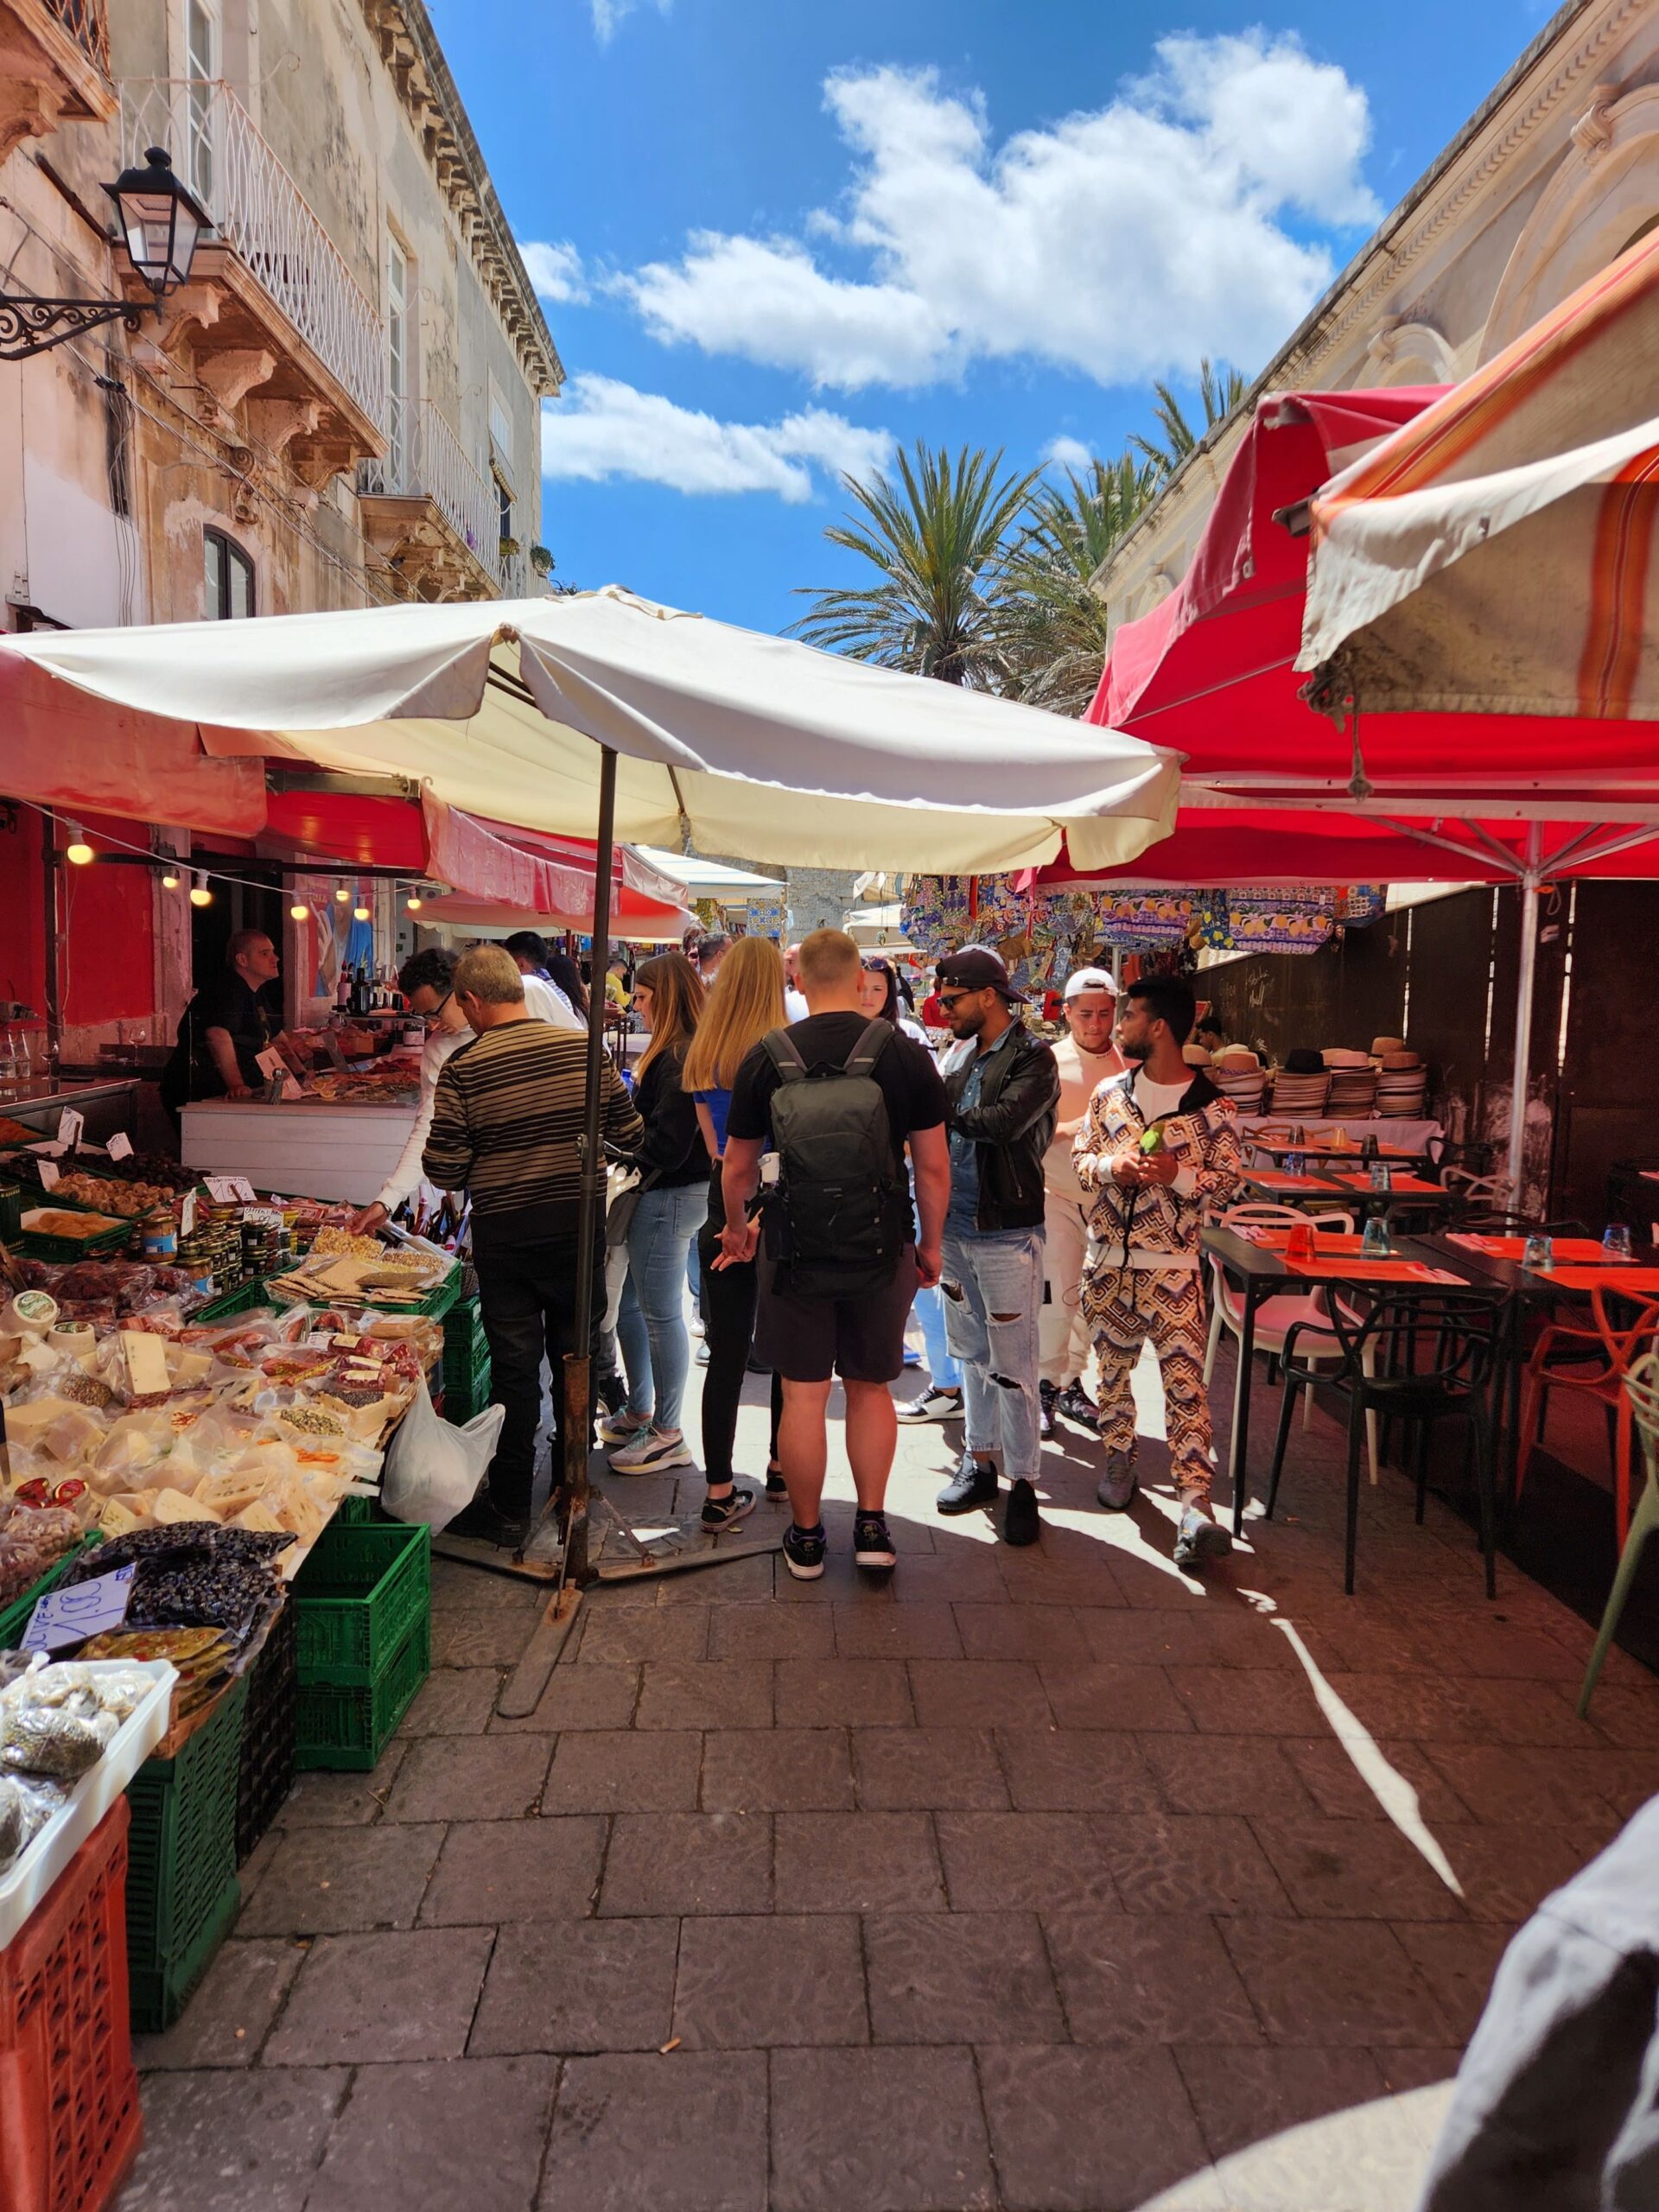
785, 1055
870, 1047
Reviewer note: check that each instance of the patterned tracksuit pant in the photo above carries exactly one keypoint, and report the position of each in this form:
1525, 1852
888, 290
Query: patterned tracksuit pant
1122, 1310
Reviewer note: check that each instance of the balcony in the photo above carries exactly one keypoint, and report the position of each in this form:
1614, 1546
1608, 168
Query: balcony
427, 511
272, 324
54, 67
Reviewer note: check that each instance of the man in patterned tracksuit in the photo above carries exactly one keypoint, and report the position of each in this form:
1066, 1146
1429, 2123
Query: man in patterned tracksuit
1157, 1142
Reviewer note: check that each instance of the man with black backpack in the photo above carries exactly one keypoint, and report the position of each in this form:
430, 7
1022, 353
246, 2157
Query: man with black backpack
838, 1097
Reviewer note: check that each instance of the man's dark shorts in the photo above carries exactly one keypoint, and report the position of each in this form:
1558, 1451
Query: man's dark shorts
861, 1338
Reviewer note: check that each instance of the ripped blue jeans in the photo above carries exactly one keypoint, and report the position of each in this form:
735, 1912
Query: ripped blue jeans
992, 1289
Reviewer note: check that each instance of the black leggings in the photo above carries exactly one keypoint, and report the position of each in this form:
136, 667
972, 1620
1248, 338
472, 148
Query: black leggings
728, 1304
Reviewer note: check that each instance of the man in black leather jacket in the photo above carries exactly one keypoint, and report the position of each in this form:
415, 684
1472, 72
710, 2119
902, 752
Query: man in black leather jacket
1003, 1088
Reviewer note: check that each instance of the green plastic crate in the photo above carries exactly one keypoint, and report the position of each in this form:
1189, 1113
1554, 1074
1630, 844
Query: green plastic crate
34, 1245
228, 1303
156, 1995
361, 1592
347, 1726
464, 1401
14, 1619
181, 1845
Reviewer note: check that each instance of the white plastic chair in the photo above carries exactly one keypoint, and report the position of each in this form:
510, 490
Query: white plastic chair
1276, 1316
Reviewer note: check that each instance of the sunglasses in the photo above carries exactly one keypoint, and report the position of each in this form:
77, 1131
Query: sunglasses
949, 999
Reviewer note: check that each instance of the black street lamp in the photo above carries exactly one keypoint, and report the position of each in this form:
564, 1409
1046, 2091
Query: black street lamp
161, 222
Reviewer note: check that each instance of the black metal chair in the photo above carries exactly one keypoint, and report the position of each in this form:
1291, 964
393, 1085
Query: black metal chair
1425, 1356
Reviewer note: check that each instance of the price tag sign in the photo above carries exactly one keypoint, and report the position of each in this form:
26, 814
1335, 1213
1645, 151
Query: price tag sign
70, 1125
271, 1061
120, 1145
187, 1214
230, 1190
65, 1617
49, 1172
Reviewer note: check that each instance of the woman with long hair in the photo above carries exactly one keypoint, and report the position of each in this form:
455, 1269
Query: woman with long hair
674, 1165
564, 973
745, 1000
879, 993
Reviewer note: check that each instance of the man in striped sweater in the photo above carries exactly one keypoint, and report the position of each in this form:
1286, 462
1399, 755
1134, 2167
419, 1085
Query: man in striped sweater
507, 1119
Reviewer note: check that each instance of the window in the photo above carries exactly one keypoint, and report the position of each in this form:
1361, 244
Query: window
504, 505
500, 430
227, 578
201, 66
398, 357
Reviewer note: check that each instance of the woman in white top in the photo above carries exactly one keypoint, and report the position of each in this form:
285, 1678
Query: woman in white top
427, 981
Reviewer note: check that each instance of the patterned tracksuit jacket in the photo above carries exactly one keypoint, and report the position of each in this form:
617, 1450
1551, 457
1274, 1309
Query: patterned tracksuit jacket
1144, 1276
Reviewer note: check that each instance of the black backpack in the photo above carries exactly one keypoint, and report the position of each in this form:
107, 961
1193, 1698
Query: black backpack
841, 1219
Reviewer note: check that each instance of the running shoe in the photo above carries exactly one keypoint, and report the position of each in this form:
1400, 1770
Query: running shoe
1199, 1538
1074, 1402
650, 1454
1117, 1485
720, 1513
622, 1427
777, 1488
934, 1404
973, 1485
1047, 1396
873, 1543
804, 1551
1020, 1523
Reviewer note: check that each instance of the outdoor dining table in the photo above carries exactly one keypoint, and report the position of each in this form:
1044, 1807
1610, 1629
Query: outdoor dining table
1497, 1260
1260, 1270
1397, 1155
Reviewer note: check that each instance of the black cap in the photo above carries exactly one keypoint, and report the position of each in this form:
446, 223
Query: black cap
979, 971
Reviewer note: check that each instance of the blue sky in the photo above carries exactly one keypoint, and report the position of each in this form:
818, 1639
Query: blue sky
774, 239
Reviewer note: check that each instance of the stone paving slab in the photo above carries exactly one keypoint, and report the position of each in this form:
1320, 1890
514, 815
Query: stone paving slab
1026, 1881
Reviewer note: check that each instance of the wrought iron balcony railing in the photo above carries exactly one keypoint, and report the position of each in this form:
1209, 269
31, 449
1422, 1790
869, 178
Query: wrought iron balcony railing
425, 459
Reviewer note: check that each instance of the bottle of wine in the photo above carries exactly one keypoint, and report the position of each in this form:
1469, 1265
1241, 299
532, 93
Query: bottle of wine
343, 990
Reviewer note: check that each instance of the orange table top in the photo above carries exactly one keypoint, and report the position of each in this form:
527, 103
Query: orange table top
1631, 1282
1400, 1186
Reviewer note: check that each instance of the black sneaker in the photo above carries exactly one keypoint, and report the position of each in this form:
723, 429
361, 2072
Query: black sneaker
482, 1524
973, 1485
612, 1392
777, 1488
1074, 1402
1047, 1396
720, 1513
804, 1551
1020, 1522
872, 1544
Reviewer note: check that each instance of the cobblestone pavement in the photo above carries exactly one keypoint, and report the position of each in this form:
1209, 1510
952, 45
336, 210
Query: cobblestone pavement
1048, 1880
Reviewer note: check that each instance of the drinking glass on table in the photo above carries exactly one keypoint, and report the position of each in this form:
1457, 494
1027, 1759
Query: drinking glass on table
1539, 1252
1616, 1241
1375, 1244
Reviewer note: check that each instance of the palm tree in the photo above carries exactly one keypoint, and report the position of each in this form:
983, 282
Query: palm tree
1054, 626
1218, 394
939, 535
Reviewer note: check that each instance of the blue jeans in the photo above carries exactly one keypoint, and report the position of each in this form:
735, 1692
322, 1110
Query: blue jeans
944, 1371
654, 1338
993, 1291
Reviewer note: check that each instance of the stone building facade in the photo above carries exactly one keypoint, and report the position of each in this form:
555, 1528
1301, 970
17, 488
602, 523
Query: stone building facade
341, 407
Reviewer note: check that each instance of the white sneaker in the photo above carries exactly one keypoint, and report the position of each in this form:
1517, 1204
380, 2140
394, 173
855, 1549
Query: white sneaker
623, 1428
933, 1405
649, 1453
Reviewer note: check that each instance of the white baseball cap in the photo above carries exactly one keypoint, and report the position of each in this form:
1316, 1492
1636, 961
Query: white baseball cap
1089, 979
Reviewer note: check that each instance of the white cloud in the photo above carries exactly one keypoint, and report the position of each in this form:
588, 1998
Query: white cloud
607, 14
602, 428
1121, 242
1066, 453
554, 271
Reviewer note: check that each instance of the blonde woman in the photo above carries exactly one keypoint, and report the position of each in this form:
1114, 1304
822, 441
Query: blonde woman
668, 997
746, 1001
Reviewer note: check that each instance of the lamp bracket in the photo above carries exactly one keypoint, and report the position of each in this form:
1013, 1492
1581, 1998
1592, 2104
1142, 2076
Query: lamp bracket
29, 326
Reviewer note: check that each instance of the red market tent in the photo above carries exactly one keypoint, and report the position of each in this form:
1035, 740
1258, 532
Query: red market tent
1274, 790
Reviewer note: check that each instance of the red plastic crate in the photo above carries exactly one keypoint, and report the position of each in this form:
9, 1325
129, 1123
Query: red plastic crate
68, 2089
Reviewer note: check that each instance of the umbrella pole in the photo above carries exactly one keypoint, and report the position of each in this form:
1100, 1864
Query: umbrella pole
576, 1427
1524, 992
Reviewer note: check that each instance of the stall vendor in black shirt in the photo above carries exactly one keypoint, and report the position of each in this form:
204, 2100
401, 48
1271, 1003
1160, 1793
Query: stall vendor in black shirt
224, 1028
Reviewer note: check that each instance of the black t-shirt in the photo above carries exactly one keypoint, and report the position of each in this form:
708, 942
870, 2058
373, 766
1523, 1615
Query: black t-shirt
224, 1003
910, 1082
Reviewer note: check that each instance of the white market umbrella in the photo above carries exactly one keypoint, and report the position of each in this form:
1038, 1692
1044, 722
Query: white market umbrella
606, 716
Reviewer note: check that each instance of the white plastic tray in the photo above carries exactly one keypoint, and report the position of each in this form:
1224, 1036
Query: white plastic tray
31, 1874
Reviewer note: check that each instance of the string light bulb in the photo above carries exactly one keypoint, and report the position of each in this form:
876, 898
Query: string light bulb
360, 913
413, 902
299, 912
77, 850
169, 881
199, 894
341, 894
